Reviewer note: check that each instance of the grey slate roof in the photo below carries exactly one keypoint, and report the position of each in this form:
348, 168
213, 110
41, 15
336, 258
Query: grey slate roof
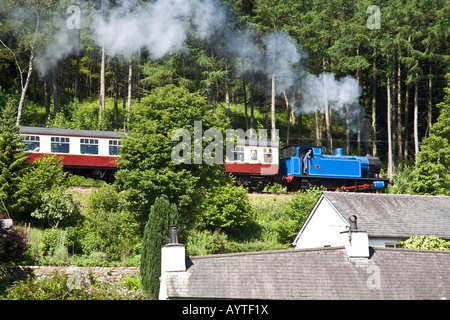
322, 273
395, 215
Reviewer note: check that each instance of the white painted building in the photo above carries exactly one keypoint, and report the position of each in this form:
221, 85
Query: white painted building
387, 218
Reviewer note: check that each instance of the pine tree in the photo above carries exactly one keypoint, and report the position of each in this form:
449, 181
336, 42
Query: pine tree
156, 232
433, 159
13, 161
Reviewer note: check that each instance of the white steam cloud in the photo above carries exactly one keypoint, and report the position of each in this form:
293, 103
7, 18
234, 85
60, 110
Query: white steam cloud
162, 27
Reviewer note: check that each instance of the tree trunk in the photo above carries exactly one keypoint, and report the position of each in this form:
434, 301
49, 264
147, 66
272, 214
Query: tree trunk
430, 102
288, 120
252, 108
77, 67
272, 109
30, 71
399, 112
55, 92
374, 109
389, 130
227, 93
318, 135
327, 111
102, 87
46, 98
116, 95
130, 78
245, 94
416, 115
406, 146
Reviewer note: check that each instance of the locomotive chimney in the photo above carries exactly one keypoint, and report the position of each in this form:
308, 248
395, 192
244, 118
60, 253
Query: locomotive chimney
339, 152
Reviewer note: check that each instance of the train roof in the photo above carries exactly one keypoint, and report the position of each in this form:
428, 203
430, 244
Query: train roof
72, 132
258, 142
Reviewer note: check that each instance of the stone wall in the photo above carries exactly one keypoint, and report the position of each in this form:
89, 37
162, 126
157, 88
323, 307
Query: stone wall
112, 274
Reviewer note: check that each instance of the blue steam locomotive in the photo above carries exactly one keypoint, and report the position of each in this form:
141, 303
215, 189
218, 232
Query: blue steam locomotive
306, 166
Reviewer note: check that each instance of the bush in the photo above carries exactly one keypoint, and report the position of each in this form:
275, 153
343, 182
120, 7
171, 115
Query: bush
206, 242
294, 214
13, 246
72, 287
425, 243
227, 208
113, 233
54, 238
57, 204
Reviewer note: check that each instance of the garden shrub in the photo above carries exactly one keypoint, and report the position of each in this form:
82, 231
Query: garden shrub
51, 239
13, 246
112, 232
227, 207
72, 287
206, 242
425, 243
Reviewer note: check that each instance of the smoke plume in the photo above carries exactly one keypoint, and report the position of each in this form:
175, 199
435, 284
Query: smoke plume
162, 27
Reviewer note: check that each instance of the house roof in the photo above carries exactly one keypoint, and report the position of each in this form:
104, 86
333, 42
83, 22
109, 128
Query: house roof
395, 215
321, 273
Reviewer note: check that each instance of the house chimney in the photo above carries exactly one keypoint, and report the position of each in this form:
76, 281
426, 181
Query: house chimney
173, 259
352, 219
173, 254
173, 234
356, 241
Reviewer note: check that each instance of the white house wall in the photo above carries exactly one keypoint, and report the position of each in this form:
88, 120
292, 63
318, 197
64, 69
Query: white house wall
322, 228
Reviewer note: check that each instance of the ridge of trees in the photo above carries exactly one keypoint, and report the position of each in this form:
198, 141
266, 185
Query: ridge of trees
400, 67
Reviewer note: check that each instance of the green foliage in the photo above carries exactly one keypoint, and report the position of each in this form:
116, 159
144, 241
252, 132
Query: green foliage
226, 207
107, 228
85, 116
56, 239
403, 181
433, 159
425, 243
57, 204
294, 215
44, 174
13, 162
206, 242
72, 287
276, 187
156, 232
13, 246
147, 170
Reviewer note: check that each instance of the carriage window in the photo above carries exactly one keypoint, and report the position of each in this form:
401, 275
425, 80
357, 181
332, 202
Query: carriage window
32, 143
89, 146
268, 155
60, 144
254, 154
114, 147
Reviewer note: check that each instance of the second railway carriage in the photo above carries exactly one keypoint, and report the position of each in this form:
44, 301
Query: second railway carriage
254, 163
84, 152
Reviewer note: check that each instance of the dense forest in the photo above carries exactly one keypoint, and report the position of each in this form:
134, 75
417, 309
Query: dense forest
363, 76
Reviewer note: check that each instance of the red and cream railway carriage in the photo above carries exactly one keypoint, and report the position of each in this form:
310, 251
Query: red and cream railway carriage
86, 152
254, 163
